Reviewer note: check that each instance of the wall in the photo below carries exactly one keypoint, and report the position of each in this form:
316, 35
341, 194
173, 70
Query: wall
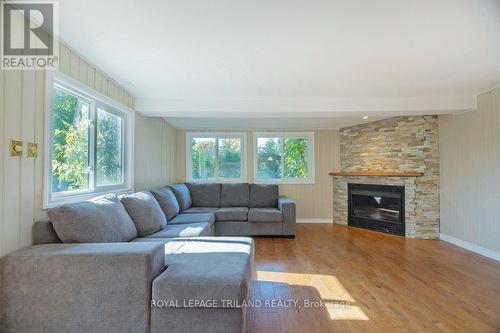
22, 118
400, 144
470, 173
313, 201
154, 152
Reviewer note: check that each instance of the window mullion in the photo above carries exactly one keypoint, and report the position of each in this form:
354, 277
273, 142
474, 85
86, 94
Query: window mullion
282, 158
124, 158
92, 146
216, 158
243, 158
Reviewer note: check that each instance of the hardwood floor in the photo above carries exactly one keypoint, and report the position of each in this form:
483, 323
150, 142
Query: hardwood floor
392, 284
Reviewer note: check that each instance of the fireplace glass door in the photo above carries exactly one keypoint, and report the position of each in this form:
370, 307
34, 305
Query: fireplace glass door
377, 207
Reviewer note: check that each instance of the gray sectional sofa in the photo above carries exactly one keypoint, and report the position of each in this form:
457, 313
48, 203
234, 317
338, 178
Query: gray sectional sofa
144, 262
239, 209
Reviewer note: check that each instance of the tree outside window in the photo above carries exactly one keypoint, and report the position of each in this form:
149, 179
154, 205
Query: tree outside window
216, 157
282, 157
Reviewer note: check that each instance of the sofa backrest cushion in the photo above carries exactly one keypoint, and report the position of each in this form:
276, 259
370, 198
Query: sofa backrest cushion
182, 195
145, 211
235, 195
99, 220
205, 194
44, 233
262, 195
168, 202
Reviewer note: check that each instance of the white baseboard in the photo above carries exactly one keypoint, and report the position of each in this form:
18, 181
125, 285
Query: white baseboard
330, 221
471, 247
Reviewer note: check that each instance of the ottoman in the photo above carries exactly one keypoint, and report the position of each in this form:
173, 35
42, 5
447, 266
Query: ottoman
205, 285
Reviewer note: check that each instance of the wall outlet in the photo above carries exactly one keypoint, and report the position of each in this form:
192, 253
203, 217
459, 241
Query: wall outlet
32, 149
16, 148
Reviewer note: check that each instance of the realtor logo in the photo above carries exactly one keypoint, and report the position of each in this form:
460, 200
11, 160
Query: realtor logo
28, 30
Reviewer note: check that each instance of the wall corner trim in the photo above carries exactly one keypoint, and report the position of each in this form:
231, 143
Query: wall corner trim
470, 246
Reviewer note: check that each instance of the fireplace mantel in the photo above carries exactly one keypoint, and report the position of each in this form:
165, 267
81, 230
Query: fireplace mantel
376, 174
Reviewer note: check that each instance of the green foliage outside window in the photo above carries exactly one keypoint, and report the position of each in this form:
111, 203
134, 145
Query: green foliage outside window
229, 158
207, 161
109, 148
203, 158
279, 158
295, 153
70, 132
71, 142
269, 158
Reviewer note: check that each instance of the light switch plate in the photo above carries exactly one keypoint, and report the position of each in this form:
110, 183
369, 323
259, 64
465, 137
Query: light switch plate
32, 149
16, 148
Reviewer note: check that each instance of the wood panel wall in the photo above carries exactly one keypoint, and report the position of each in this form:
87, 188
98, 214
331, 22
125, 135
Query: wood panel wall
22, 98
154, 163
470, 173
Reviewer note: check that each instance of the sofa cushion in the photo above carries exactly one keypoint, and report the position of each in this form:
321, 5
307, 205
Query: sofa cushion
262, 195
167, 201
198, 210
145, 212
183, 230
232, 214
44, 233
193, 218
235, 195
182, 195
265, 215
208, 268
99, 220
204, 195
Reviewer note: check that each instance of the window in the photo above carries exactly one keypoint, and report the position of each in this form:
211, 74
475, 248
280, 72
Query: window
215, 157
88, 140
284, 157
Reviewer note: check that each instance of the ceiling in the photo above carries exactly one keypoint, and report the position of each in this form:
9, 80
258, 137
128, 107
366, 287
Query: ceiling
316, 63
286, 122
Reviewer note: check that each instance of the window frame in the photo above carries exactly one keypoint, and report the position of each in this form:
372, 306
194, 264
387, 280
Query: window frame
311, 165
96, 100
217, 135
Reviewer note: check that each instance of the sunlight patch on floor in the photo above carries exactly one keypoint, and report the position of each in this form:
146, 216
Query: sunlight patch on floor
328, 287
350, 312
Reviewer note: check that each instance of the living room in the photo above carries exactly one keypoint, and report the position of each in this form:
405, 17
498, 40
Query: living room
262, 166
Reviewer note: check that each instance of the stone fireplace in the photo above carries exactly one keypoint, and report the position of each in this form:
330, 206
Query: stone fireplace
401, 152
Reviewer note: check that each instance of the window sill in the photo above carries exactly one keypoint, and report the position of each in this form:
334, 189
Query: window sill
285, 182
222, 181
81, 197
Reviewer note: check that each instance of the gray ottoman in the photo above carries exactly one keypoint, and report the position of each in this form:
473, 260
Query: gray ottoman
206, 281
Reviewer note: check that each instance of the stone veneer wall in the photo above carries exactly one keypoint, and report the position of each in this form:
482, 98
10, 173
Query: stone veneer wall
395, 144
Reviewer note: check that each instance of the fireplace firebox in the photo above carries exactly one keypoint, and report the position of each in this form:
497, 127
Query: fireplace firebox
377, 207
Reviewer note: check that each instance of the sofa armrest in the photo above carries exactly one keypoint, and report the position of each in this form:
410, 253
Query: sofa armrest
287, 207
101, 287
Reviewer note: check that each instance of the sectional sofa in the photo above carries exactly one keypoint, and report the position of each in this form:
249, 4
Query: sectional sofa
239, 209
144, 262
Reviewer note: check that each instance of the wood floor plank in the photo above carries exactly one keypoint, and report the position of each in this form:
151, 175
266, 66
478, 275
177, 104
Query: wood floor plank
380, 282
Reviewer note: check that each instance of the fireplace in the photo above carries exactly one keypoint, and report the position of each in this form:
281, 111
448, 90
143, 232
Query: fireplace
377, 207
